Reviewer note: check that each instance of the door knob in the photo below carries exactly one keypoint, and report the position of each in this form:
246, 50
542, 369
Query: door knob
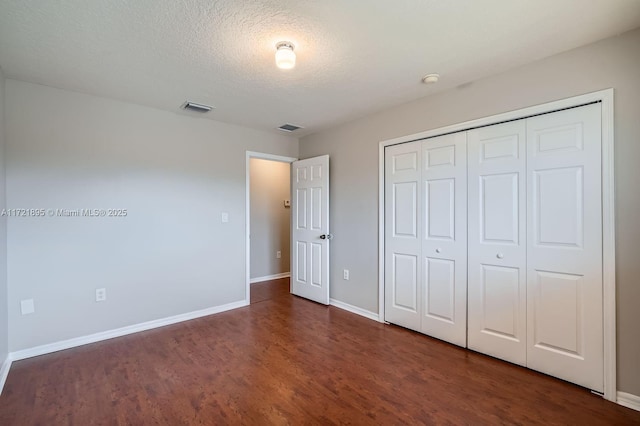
499, 255
326, 237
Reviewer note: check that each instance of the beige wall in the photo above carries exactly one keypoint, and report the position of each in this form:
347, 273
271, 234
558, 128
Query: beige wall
4, 319
353, 148
174, 174
270, 229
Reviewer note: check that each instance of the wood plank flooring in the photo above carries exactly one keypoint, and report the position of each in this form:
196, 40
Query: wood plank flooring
285, 360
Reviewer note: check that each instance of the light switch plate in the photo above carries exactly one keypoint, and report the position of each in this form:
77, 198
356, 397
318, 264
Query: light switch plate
287, 203
224, 217
27, 306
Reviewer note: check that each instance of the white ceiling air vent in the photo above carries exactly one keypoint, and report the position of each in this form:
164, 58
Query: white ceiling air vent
289, 127
192, 106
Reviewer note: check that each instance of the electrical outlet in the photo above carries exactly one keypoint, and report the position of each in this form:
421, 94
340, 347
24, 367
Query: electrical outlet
101, 294
278, 254
27, 307
224, 217
345, 274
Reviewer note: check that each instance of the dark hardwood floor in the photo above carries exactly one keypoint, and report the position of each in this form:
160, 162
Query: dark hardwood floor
270, 290
285, 360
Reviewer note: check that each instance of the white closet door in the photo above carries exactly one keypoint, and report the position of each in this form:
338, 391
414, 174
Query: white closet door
403, 244
565, 246
444, 245
497, 246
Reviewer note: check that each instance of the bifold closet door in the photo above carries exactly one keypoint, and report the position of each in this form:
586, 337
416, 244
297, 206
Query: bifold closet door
403, 228
564, 260
497, 246
425, 237
522, 259
444, 245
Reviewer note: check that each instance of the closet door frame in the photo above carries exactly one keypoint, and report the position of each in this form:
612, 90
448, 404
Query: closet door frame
605, 97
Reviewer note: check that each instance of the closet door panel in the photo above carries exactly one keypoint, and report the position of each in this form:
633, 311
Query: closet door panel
403, 230
565, 246
444, 238
500, 291
497, 248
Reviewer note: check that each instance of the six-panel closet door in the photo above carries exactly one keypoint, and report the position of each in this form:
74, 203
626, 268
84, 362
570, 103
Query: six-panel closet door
425, 236
564, 246
497, 290
403, 229
444, 239
494, 238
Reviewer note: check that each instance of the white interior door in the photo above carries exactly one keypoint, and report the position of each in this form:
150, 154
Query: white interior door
444, 242
403, 227
564, 285
310, 229
497, 247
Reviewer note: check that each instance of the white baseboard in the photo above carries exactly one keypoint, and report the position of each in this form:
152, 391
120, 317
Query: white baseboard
270, 277
130, 329
629, 400
4, 372
354, 309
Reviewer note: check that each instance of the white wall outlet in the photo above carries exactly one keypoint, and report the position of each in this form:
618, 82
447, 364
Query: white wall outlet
278, 254
345, 274
27, 306
224, 217
101, 294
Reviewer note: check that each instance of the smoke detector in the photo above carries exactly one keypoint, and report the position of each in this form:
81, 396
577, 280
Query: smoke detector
193, 106
431, 78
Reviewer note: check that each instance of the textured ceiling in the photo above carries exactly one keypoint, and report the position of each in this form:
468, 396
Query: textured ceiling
354, 57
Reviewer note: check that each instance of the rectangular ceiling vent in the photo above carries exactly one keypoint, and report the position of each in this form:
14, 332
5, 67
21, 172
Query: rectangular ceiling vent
193, 106
289, 127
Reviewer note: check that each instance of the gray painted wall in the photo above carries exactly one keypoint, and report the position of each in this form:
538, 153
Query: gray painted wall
4, 318
270, 219
174, 174
353, 147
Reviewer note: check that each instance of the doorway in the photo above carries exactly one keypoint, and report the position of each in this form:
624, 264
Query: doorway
268, 219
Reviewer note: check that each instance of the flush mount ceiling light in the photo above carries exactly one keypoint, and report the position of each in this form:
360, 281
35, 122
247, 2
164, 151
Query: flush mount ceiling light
431, 78
285, 56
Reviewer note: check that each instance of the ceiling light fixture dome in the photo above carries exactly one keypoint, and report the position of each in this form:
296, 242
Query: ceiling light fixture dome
285, 56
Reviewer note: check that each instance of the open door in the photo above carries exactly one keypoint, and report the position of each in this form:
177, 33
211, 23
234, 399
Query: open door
310, 229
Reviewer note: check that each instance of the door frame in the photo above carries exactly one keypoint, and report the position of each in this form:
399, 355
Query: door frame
249, 156
605, 97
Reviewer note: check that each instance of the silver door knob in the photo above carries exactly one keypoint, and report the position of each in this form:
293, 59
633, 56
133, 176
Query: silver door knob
438, 250
499, 255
